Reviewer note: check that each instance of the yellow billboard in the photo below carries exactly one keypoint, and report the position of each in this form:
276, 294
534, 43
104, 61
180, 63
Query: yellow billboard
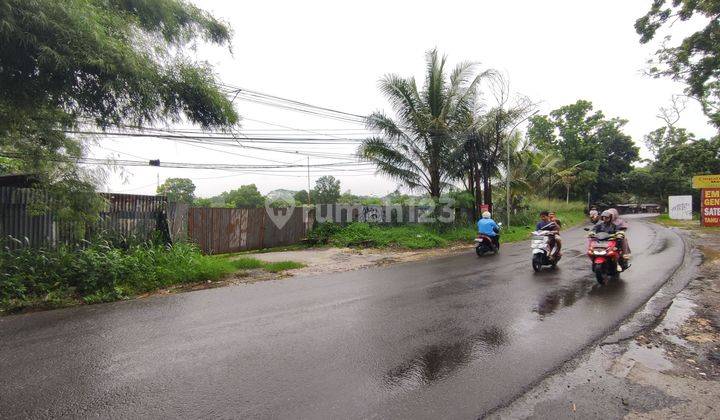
706, 181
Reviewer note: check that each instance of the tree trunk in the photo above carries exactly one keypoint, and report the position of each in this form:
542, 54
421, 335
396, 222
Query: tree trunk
567, 193
487, 191
473, 191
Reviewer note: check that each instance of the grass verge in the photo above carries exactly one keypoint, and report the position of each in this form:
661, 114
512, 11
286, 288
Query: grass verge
246, 263
46, 279
665, 220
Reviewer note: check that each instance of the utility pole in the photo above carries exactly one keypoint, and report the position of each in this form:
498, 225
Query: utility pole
309, 181
158, 181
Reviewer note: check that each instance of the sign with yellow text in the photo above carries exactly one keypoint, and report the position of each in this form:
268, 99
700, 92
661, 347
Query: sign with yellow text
706, 181
710, 206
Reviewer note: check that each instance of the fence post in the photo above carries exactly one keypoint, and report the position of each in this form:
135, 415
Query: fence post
263, 218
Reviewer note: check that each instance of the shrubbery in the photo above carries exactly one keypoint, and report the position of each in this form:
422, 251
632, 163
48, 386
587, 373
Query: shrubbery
419, 236
102, 271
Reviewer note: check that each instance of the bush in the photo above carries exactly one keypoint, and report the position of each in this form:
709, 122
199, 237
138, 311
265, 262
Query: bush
99, 272
102, 272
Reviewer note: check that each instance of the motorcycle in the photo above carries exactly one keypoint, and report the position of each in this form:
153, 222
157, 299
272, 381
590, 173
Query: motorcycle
485, 244
605, 255
544, 249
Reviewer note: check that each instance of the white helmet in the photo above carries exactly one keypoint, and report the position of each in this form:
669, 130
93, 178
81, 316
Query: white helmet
486, 215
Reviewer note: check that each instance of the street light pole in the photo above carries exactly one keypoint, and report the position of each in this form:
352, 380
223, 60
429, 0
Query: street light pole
507, 172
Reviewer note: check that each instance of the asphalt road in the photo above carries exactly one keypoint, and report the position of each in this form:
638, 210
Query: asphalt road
449, 337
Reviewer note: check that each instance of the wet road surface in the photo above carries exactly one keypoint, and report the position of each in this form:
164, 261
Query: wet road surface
450, 337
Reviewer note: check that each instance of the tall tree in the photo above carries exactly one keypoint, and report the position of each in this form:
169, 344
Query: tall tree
178, 190
696, 59
247, 196
69, 64
327, 190
595, 147
415, 147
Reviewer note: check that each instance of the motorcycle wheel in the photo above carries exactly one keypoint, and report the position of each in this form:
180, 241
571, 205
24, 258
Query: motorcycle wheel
537, 262
480, 251
599, 276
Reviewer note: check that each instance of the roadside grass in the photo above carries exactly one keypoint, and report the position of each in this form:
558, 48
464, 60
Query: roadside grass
665, 220
246, 263
98, 272
425, 236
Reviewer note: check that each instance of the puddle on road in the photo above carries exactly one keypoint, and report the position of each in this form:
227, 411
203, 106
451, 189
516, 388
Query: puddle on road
561, 298
436, 362
566, 296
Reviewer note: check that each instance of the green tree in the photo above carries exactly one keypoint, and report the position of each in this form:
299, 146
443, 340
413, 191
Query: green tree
301, 197
247, 196
327, 190
696, 59
348, 198
594, 151
71, 64
178, 190
203, 202
415, 147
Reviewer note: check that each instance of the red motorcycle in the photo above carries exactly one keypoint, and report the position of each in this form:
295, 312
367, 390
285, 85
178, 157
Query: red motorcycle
605, 254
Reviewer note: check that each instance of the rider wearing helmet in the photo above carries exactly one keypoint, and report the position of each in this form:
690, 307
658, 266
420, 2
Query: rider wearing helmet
605, 224
610, 223
487, 226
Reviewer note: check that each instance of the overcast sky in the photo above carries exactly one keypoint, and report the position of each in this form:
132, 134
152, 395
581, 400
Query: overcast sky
332, 53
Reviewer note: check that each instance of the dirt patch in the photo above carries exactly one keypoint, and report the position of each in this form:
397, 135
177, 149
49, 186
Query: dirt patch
331, 260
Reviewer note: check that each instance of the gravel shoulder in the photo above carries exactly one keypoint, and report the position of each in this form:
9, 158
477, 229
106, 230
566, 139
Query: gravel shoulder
332, 260
669, 369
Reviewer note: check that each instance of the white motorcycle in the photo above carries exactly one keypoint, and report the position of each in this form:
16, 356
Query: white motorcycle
544, 249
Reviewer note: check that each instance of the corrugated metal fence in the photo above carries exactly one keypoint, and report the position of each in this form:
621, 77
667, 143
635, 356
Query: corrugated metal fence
126, 215
223, 230
214, 230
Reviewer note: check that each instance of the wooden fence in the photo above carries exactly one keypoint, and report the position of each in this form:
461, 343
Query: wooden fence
223, 230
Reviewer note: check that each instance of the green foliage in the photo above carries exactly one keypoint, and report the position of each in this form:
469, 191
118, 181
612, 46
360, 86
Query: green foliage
696, 59
366, 235
178, 190
327, 190
245, 263
678, 157
247, 196
461, 199
72, 63
203, 202
280, 266
301, 197
415, 148
594, 152
99, 272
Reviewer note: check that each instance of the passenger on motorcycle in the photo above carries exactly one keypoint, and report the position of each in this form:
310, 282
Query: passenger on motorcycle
610, 223
553, 218
546, 223
487, 226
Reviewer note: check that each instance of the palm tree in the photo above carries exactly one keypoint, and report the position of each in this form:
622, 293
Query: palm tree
415, 148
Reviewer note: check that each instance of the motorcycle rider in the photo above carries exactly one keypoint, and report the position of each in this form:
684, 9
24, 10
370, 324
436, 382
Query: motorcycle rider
608, 225
558, 240
487, 226
594, 215
546, 223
